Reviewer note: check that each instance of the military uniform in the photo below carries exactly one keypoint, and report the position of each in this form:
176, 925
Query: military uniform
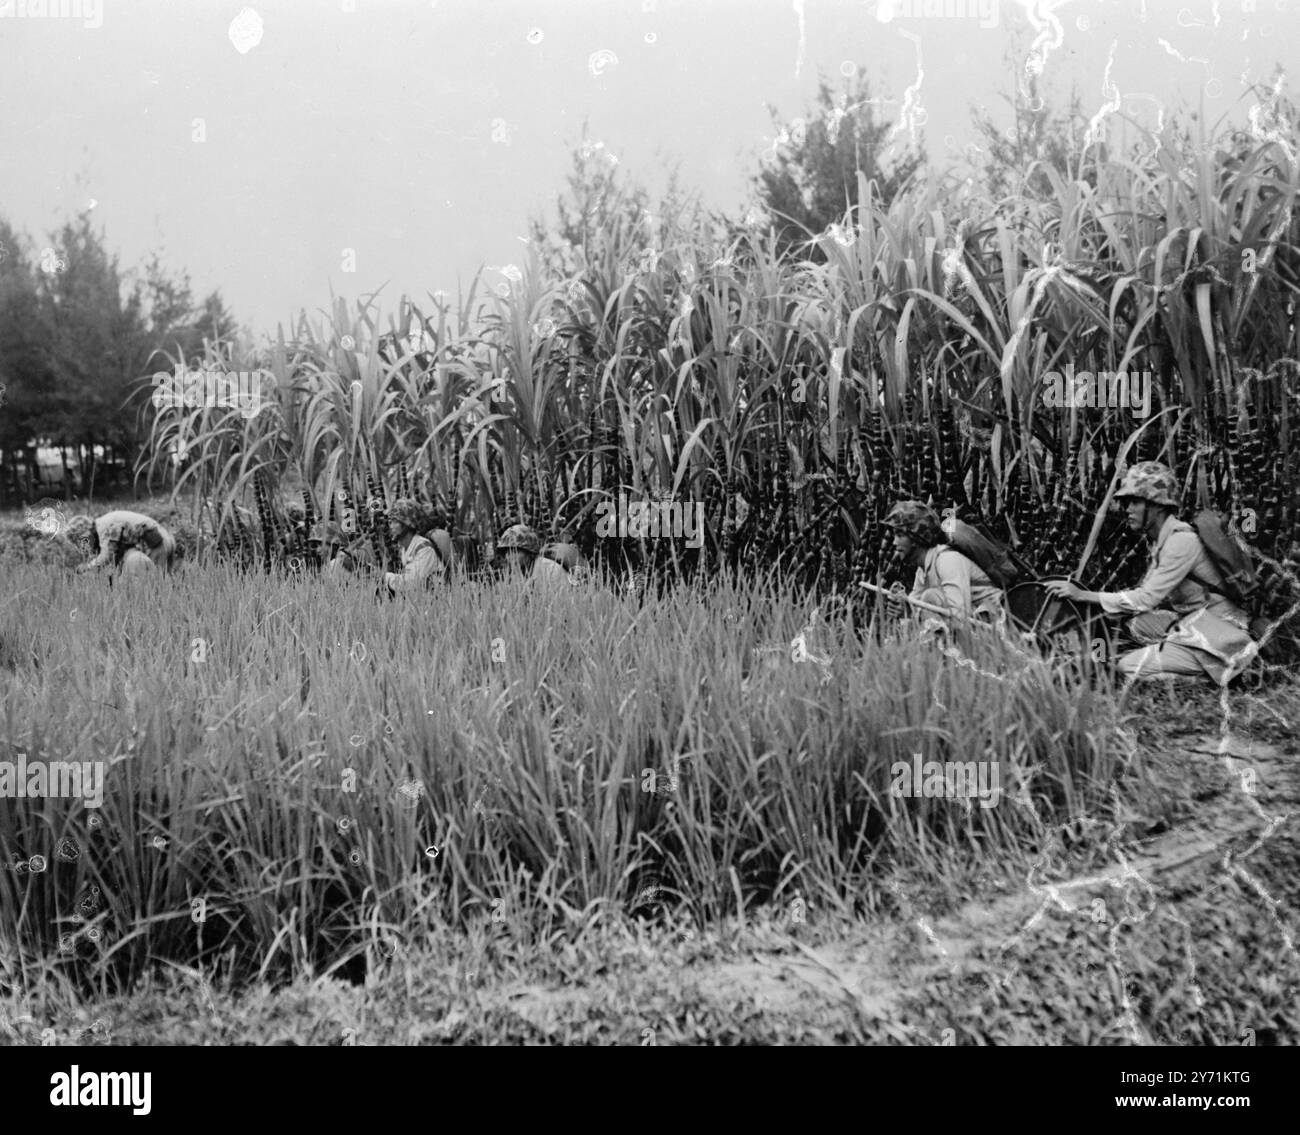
547, 573
540, 572
129, 540
420, 559
949, 579
420, 562
1201, 632
356, 557
946, 577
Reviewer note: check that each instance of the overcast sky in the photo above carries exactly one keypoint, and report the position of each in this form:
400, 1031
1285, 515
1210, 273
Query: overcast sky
421, 135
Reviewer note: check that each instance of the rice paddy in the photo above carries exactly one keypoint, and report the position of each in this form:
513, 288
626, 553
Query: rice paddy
309, 790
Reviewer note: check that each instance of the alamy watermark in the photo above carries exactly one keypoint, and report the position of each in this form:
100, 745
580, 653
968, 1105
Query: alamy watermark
947, 780
1115, 390
651, 520
43, 780
242, 390
90, 12
986, 11
101, 1089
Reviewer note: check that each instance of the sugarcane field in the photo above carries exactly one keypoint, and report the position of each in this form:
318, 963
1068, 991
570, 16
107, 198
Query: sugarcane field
648, 534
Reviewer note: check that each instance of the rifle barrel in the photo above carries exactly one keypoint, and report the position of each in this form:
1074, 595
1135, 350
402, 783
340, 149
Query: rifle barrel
908, 599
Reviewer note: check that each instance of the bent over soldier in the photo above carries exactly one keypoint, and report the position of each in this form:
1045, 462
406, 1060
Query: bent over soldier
128, 541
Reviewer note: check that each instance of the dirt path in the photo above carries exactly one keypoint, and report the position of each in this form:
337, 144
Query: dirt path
866, 973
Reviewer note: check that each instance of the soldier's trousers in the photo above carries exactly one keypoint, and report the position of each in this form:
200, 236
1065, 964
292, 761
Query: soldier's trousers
1160, 659
138, 561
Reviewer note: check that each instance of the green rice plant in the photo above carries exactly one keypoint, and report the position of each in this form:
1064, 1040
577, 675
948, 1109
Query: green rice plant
325, 766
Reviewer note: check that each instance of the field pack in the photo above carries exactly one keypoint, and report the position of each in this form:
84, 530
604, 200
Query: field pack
1239, 566
992, 557
1232, 558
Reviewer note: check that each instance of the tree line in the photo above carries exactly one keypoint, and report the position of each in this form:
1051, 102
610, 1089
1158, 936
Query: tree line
78, 333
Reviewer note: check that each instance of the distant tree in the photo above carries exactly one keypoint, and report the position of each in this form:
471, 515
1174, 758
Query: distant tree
25, 406
601, 210
1039, 136
175, 324
95, 339
77, 336
213, 323
810, 175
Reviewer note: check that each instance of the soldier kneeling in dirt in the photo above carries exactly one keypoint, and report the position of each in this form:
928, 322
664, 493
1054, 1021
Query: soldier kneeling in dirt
128, 541
1203, 633
945, 578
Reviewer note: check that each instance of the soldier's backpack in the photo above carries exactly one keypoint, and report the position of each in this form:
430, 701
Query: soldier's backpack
992, 557
1233, 559
1243, 584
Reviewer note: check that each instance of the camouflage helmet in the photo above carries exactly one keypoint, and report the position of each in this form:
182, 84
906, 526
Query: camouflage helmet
1150, 481
917, 520
522, 537
79, 528
406, 511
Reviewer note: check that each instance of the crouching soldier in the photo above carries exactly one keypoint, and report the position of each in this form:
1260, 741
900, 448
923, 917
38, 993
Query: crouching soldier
565, 552
945, 578
326, 545
520, 547
340, 555
1185, 624
127, 541
421, 562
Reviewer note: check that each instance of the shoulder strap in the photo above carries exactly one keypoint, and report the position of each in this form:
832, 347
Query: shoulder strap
1215, 588
942, 548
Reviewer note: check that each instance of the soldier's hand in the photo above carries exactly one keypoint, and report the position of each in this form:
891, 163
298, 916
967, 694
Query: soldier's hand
1061, 589
894, 606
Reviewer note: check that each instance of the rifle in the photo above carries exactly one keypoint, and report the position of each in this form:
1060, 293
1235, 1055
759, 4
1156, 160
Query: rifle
908, 599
